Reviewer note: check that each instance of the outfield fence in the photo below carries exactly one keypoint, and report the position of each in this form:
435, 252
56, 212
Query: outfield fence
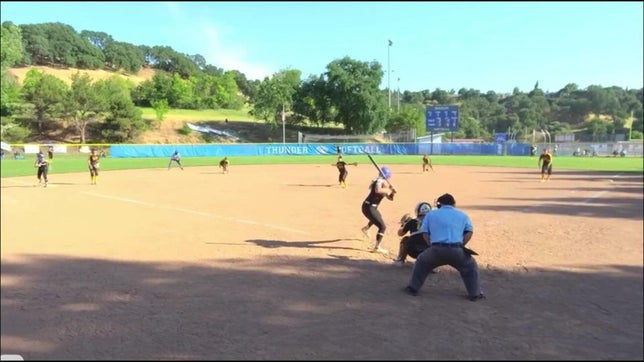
630, 149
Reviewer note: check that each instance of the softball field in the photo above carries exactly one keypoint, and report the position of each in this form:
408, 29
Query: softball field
268, 263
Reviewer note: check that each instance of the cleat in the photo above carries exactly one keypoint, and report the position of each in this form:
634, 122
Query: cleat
379, 250
476, 297
411, 291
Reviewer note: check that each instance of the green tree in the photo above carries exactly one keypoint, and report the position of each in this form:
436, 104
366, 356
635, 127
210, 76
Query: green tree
11, 51
46, 93
410, 117
598, 128
274, 94
10, 130
312, 101
244, 85
199, 61
98, 39
84, 104
123, 120
353, 88
119, 55
182, 92
161, 108
11, 48
227, 94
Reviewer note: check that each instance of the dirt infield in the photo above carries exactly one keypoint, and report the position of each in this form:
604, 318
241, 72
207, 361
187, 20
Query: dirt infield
268, 262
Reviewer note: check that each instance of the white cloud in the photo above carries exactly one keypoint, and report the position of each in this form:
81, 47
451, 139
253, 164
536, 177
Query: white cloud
230, 58
207, 39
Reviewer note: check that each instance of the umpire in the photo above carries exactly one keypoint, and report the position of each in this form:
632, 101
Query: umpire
447, 230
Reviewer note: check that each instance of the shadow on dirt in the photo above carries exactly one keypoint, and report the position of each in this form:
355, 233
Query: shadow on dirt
291, 307
312, 185
593, 206
271, 244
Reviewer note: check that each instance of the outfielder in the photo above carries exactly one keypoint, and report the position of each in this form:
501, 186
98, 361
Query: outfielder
545, 162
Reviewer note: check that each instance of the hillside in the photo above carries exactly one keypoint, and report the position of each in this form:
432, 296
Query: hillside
65, 74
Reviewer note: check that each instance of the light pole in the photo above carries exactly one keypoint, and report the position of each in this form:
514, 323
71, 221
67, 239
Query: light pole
389, 73
398, 91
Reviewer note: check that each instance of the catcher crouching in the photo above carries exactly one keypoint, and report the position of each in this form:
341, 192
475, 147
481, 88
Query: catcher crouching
413, 244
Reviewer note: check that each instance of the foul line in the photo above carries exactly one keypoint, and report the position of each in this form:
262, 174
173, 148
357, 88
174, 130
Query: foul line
194, 212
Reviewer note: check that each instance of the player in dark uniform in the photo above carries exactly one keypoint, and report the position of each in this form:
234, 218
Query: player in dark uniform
223, 164
338, 150
93, 165
50, 155
176, 157
43, 168
342, 168
545, 162
377, 191
414, 243
427, 164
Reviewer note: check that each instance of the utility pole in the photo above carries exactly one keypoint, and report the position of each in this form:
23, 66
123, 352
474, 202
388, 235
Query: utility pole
389, 73
283, 115
398, 94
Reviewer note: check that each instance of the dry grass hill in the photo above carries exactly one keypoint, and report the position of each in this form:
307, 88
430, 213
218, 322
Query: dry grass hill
65, 74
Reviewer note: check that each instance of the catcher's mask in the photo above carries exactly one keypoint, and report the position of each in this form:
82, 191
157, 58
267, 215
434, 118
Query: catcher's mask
422, 208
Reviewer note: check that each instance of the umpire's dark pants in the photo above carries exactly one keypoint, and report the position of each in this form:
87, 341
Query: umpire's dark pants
454, 256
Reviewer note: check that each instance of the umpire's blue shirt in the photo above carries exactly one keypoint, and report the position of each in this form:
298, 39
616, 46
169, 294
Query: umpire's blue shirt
446, 225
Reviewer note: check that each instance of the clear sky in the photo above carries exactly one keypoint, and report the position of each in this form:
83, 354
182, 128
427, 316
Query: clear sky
449, 45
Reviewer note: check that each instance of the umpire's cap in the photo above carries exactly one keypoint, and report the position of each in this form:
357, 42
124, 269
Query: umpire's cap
445, 199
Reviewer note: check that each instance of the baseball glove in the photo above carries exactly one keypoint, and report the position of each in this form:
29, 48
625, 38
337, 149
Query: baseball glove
405, 218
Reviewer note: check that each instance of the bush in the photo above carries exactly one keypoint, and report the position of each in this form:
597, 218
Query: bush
15, 134
637, 135
185, 130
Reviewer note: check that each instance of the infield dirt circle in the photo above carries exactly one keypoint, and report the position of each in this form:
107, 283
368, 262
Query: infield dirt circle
268, 262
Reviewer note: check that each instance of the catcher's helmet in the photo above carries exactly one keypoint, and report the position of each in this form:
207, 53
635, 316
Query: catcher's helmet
422, 208
386, 172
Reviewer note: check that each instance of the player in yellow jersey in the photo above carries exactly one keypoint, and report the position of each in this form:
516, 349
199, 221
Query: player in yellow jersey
545, 162
93, 164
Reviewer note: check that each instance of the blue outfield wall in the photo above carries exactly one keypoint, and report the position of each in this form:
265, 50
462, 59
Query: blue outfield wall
312, 149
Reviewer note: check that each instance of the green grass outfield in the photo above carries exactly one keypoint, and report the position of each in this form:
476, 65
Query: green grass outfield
67, 164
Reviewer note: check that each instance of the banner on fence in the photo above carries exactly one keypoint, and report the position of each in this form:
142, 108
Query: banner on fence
294, 149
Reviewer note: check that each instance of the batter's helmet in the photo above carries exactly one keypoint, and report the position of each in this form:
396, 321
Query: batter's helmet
386, 172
